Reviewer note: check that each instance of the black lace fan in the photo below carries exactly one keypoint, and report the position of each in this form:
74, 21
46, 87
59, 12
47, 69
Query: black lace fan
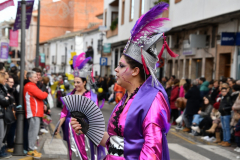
88, 115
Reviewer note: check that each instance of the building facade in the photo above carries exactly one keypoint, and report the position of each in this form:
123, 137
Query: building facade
197, 39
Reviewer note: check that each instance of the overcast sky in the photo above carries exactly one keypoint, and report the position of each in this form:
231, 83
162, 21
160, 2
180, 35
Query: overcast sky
10, 12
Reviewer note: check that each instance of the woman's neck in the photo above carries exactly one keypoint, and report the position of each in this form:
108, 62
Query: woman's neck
80, 92
132, 88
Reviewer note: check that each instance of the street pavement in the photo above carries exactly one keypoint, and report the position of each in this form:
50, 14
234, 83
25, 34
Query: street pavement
181, 146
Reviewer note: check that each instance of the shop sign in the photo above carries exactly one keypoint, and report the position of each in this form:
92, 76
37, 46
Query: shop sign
4, 50
102, 28
103, 61
187, 50
107, 48
238, 39
29, 9
42, 57
228, 39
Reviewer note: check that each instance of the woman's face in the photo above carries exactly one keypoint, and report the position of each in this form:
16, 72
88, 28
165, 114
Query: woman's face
10, 82
123, 73
206, 101
215, 84
79, 84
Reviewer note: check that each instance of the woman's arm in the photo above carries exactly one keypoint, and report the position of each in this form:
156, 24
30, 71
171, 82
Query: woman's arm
104, 139
60, 124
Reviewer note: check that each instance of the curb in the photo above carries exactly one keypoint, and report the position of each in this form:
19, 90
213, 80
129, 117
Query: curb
194, 138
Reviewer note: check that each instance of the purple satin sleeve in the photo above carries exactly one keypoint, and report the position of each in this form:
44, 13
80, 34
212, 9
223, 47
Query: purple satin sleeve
64, 112
153, 126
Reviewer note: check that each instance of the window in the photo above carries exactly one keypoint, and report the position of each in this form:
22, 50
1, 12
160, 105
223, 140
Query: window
71, 47
105, 18
116, 58
123, 10
141, 8
63, 59
114, 16
92, 42
53, 59
131, 10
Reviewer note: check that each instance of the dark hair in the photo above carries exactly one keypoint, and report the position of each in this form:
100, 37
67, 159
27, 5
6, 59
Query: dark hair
166, 78
38, 70
173, 76
224, 80
236, 87
132, 63
202, 79
1, 66
211, 82
186, 86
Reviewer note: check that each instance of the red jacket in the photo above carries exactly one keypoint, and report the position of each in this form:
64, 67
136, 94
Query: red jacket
174, 96
33, 100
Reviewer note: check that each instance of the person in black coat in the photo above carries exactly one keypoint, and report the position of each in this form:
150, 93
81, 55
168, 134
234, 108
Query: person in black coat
214, 93
168, 89
193, 103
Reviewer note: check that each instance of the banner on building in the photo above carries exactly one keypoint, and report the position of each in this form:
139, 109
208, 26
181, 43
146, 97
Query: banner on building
107, 48
13, 38
42, 58
4, 50
29, 9
228, 39
6, 4
187, 50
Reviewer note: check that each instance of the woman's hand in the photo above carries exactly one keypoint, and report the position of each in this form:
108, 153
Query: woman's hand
76, 126
58, 130
199, 112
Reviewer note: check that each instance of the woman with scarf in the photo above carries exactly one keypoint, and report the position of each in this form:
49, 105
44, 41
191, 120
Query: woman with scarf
80, 144
139, 123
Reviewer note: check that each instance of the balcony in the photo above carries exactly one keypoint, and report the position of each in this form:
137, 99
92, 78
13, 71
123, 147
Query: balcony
111, 33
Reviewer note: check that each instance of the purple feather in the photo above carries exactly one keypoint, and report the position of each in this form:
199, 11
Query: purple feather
148, 17
83, 63
74, 61
150, 28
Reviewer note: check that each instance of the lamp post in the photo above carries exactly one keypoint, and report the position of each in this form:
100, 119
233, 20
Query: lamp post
101, 39
38, 26
18, 147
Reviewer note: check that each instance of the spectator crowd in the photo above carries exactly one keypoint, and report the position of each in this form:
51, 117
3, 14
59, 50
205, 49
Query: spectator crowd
210, 109
35, 102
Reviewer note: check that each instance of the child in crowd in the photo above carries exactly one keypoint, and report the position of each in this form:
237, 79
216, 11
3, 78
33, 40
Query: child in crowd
237, 133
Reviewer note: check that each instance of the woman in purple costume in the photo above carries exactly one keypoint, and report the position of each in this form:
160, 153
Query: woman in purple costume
139, 123
83, 147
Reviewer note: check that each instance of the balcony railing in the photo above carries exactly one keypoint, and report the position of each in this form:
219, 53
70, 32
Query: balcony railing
111, 33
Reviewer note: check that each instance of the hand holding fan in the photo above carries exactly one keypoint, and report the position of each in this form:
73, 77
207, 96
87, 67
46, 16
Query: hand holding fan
88, 115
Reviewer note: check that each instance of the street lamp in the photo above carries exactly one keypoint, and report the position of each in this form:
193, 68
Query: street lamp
18, 147
101, 44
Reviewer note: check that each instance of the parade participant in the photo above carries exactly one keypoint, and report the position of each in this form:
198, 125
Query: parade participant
81, 76
139, 123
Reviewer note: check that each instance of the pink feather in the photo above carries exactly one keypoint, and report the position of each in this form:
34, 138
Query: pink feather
80, 58
150, 28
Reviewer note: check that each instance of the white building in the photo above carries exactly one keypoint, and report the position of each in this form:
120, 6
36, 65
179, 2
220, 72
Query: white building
208, 19
58, 51
126, 12
189, 20
92, 42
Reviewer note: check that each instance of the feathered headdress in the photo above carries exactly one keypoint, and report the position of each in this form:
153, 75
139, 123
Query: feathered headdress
145, 33
81, 68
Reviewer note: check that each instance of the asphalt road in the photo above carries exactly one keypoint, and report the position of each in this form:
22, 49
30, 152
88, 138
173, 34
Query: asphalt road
180, 147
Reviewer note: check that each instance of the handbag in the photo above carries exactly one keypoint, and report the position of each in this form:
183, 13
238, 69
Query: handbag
9, 116
50, 101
